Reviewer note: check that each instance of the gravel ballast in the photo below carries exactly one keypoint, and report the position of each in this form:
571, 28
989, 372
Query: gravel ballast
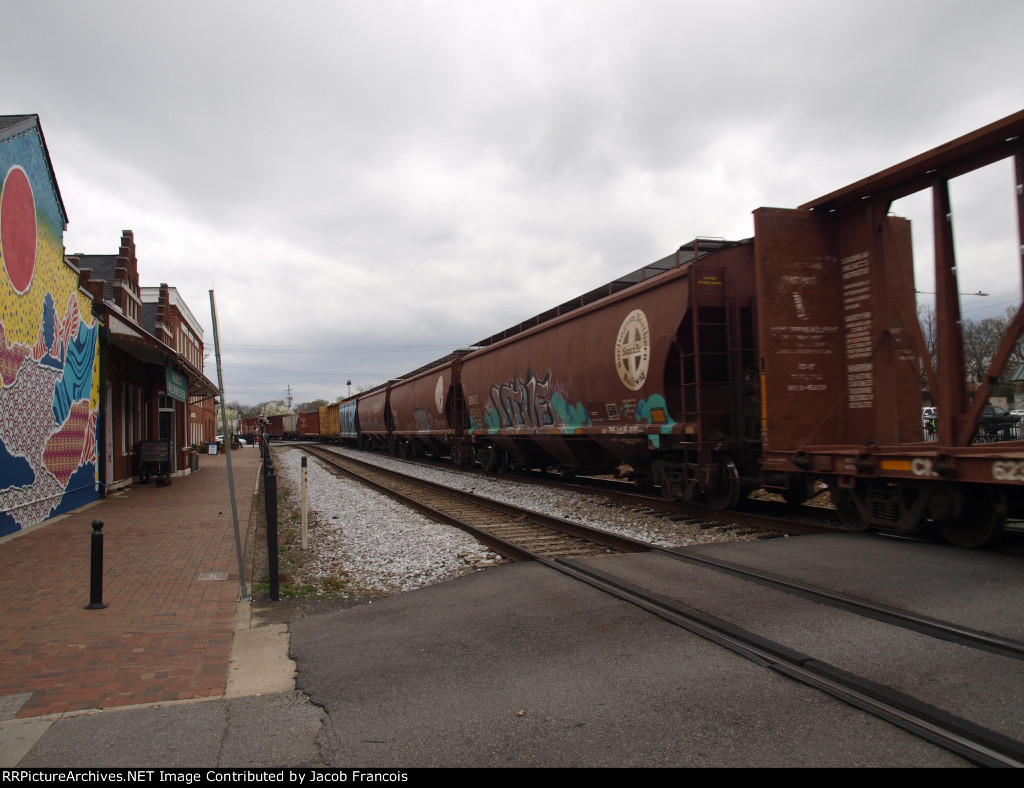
379, 547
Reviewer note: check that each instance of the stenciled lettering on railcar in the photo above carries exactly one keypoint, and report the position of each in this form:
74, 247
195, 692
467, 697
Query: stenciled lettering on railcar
807, 379
633, 350
857, 318
1008, 471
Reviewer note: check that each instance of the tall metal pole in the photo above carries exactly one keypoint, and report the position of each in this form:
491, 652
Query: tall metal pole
227, 441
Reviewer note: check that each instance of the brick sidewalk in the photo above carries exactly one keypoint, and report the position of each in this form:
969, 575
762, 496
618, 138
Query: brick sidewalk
165, 635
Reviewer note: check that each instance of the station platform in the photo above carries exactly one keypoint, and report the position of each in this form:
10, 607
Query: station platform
170, 583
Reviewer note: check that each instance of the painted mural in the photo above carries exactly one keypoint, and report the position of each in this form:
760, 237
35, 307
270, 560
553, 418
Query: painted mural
49, 382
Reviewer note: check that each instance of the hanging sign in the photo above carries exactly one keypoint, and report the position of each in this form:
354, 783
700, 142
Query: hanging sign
177, 385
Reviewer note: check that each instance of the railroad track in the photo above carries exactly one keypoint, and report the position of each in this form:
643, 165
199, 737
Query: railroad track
974, 742
766, 515
565, 546
762, 515
518, 534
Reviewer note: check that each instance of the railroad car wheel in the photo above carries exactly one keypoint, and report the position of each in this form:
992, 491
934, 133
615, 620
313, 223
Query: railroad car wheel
982, 521
461, 458
669, 491
723, 486
494, 460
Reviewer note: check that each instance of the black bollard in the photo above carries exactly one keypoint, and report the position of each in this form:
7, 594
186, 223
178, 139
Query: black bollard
96, 574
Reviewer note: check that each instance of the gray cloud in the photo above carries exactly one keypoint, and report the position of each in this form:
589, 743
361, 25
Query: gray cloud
383, 181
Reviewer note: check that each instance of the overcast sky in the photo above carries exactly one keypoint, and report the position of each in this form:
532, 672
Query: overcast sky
368, 185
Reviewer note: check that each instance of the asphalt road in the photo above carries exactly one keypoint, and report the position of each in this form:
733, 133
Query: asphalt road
518, 666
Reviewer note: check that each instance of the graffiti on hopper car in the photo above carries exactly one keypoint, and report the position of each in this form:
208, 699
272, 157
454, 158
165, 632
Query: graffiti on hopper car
531, 402
522, 403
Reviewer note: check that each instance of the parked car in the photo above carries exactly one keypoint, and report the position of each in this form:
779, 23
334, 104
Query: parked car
997, 423
241, 441
993, 414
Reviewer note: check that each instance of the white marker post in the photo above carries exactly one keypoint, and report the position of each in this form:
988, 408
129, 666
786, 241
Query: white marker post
305, 480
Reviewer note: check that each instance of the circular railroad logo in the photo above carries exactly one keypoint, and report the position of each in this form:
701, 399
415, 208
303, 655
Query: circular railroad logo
633, 350
439, 394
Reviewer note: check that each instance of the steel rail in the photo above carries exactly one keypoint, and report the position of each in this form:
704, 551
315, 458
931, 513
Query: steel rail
627, 493
974, 742
956, 734
942, 630
509, 549
613, 491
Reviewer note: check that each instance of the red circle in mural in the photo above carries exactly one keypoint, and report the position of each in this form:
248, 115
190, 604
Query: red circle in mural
18, 229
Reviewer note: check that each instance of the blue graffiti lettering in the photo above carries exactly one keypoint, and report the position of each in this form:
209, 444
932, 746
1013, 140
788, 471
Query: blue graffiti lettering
532, 402
521, 403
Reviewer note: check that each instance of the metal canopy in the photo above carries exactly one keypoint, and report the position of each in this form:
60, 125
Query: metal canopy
137, 342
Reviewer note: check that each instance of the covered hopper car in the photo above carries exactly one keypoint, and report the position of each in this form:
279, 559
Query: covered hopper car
427, 412
774, 362
656, 376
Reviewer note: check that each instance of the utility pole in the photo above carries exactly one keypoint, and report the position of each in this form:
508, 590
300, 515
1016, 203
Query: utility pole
244, 594
289, 390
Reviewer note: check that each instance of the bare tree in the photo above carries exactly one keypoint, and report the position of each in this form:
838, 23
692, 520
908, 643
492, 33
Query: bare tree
929, 328
981, 340
1017, 354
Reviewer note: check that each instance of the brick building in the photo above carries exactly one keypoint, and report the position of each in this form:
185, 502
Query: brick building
166, 316
152, 386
